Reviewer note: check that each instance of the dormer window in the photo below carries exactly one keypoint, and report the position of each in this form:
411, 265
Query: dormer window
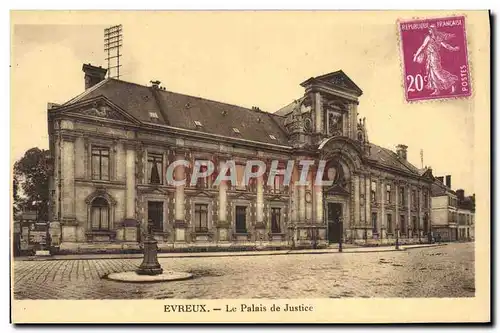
197, 123
236, 131
272, 137
153, 116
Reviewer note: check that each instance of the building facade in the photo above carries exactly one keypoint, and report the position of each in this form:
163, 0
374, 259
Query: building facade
452, 214
112, 145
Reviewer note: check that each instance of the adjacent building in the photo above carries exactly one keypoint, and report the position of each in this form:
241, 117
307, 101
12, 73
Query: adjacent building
112, 144
452, 213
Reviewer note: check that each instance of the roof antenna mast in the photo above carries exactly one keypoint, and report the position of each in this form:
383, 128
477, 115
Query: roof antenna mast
422, 158
113, 42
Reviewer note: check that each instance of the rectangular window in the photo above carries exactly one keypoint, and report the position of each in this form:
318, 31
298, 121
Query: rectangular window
402, 225
201, 217
203, 182
373, 193
100, 218
240, 181
374, 223
252, 182
390, 229
275, 220
402, 196
100, 163
415, 224
414, 198
155, 168
241, 219
155, 215
278, 183
388, 193
425, 199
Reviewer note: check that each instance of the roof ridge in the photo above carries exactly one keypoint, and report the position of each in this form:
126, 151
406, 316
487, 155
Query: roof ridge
86, 92
276, 122
198, 97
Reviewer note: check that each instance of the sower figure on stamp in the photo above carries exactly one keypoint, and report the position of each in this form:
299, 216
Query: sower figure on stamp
437, 77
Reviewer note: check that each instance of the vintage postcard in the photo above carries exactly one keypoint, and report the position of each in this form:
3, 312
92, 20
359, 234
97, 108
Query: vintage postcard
240, 166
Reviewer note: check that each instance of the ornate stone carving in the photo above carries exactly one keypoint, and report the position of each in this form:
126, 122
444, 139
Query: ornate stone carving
339, 81
103, 111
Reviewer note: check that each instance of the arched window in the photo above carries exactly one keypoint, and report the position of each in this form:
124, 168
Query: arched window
100, 214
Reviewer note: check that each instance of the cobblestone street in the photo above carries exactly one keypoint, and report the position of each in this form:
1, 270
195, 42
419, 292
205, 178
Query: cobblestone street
445, 271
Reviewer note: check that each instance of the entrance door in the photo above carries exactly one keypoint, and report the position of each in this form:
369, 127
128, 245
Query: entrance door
334, 212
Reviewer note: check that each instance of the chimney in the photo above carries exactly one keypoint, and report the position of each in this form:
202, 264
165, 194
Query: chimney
460, 195
401, 150
440, 179
448, 181
93, 75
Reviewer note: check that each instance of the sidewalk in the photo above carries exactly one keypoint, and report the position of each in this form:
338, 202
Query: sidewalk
348, 249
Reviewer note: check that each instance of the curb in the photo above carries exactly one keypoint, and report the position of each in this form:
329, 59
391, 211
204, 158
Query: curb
237, 254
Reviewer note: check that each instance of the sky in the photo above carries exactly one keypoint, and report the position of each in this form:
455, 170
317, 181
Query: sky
248, 59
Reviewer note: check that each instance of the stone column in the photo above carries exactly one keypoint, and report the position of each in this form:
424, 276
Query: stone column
179, 209
68, 216
409, 224
68, 178
130, 183
260, 200
368, 215
382, 224
302, 203
357, 217
318, 201
309, 188
397, 226
222, 224
295, 202
222, 202
420, 218
318, 112
354, 121
179, 192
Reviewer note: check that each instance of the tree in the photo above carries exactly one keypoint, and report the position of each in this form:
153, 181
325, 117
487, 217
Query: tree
15, 194
32, 173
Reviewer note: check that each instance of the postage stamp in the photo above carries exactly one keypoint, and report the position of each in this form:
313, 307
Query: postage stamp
434, 54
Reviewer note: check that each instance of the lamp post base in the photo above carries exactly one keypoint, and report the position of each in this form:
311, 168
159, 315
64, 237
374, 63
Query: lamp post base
150, 264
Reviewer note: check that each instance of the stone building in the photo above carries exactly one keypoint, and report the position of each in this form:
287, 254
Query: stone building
466, 215
112, 145
452, 213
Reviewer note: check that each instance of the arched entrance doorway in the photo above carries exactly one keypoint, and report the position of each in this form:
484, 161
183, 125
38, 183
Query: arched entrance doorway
343, 161
337, 199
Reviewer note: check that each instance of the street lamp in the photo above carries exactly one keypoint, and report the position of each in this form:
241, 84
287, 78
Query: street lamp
397, 237
341, 226
150, 264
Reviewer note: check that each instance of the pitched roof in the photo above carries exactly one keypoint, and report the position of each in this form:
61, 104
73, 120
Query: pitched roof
387, 157
179, 110
287, 109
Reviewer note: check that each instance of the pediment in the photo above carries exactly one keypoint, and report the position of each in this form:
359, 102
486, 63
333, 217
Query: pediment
99, 107
241, 196
154, 191
340, 80
336, 189
278, 198
203, 194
